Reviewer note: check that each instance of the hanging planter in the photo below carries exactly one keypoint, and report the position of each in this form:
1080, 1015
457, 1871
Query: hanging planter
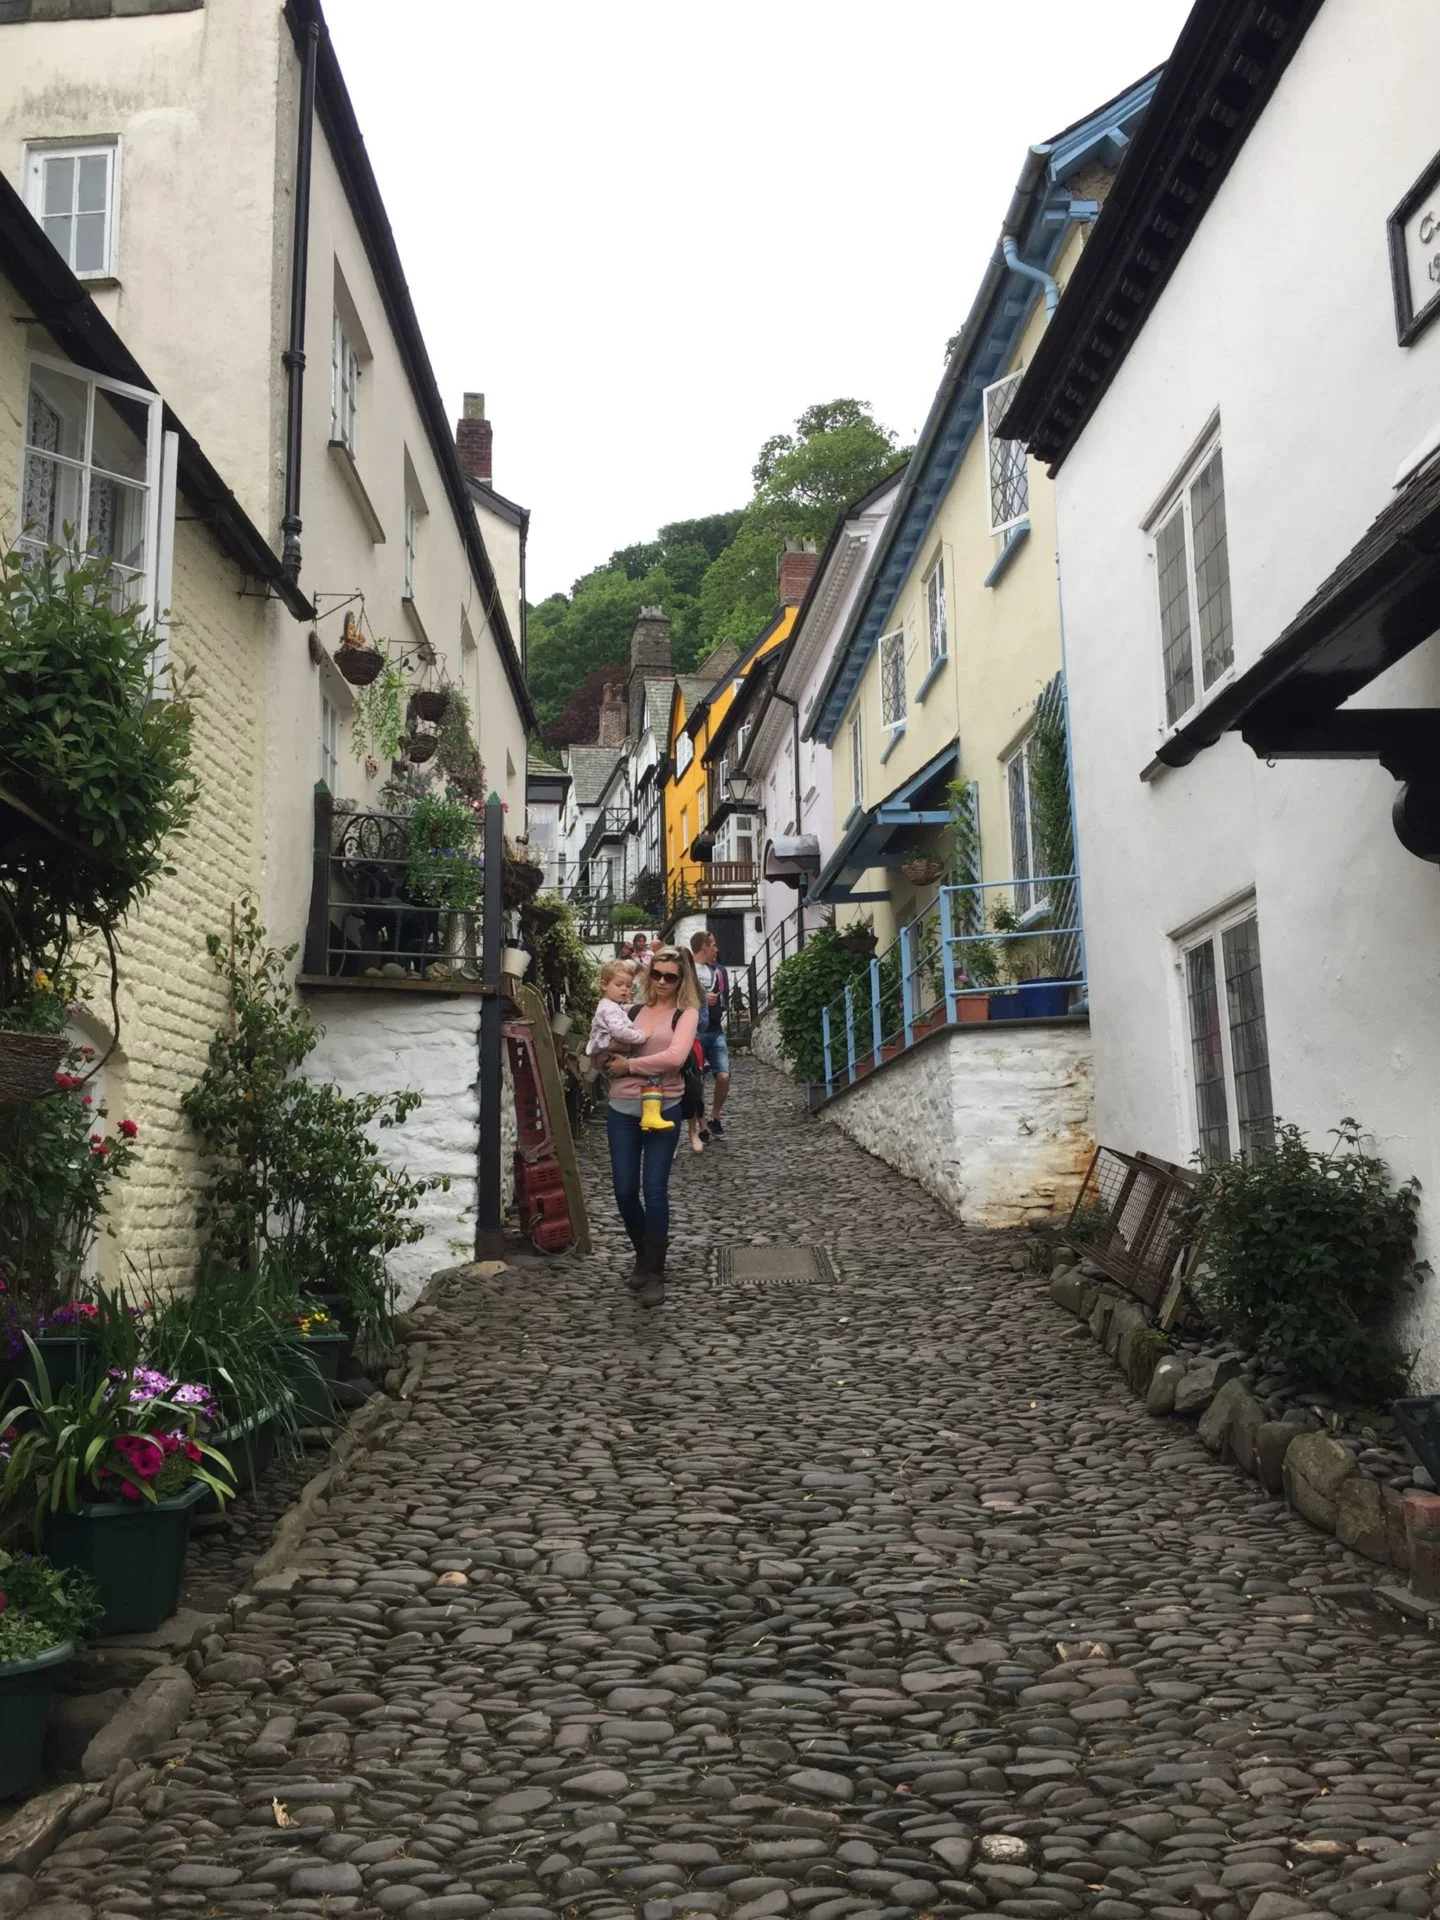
359, 662
430, 704
420, 747
514, 961
859, 940
922, 870
28, 1065
559, 1024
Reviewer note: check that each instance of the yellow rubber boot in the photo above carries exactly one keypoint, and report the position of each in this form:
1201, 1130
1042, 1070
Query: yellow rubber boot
651, 1118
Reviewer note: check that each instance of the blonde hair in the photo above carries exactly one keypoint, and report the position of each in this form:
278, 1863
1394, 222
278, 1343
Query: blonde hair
612, 969
687, 995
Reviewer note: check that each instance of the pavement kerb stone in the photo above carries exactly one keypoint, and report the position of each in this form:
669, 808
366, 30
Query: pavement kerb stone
1316, 1477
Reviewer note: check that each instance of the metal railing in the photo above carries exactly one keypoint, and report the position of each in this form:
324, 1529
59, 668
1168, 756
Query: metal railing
786, 939
613, 821
366, 913
969, 957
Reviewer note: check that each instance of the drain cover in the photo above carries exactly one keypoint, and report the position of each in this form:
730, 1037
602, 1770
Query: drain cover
773, 1267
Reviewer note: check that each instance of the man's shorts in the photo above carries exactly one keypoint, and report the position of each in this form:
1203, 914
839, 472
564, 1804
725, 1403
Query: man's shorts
716, 1050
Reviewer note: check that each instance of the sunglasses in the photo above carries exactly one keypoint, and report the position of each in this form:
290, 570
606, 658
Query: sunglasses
657, 974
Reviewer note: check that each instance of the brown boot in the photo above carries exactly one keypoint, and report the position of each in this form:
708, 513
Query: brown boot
652, 1288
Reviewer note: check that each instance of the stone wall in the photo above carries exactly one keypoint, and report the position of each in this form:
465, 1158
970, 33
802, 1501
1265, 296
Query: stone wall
17, 12
765, 1041
373, 1043
994, 1121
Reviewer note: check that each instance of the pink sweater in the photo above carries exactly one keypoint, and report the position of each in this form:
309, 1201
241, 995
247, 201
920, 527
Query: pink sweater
661, 1057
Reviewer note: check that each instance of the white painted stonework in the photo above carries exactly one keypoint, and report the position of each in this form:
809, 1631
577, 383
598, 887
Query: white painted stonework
374, 1044
765, 1042
995, 1124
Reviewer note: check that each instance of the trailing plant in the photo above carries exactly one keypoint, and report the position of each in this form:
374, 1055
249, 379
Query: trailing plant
648, 894
1052, 828
59, 1160
806, 983
561, 966
456, 754
42, 1606
441, 866
294, 1174
1307, 1256
133, 1437
85, 742
377, 725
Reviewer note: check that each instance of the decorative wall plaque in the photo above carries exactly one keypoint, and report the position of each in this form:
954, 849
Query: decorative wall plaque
1414, 229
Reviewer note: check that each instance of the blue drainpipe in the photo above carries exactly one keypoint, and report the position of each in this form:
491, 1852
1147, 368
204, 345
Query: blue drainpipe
1017, 265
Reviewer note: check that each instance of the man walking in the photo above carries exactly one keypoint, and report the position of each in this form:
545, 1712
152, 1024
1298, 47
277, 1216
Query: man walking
714, 998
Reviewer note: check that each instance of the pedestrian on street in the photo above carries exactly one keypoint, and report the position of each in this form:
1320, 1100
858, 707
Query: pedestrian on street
714, 982
640, 1162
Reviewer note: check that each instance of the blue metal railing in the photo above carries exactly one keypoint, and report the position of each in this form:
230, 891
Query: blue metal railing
971, 956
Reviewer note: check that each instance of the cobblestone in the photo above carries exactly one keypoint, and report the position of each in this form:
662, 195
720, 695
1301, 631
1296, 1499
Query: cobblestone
879, 1599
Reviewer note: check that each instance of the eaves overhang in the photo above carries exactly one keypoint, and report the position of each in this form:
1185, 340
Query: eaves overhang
1038, 218
868, 835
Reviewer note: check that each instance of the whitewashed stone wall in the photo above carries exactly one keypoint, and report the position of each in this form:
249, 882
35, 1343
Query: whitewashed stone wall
995, 1123
375, 1044
765, 1042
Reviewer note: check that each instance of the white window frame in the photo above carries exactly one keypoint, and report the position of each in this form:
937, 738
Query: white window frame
412, 536
1211, 932
1011, 452
857, 763
1022, 884
684, 753
37, 152
160, 462
934, 584
329, 743
344, 388
1178, 502
892, 643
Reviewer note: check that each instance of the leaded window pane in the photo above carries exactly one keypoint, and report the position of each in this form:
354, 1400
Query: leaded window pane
1207, 1054
1009, 472
1212, 570
935, 613
892, 679
1249, 1045
1175, 617
857, 763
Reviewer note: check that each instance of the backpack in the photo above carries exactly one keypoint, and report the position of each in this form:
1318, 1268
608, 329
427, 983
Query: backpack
692, 1078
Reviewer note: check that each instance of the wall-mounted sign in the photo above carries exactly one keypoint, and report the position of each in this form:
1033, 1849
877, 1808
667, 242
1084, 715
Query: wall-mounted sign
1414, 229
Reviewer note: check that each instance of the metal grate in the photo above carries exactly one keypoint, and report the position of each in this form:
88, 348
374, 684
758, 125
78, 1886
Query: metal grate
773, 1267
1133, 1218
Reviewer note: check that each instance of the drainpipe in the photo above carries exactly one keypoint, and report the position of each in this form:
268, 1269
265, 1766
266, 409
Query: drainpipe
794, 706
293, 358
1023, 267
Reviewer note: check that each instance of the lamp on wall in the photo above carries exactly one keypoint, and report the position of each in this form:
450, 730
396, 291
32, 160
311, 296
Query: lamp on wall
742, 791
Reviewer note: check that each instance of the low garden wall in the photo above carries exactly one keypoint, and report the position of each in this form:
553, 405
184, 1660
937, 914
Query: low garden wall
994, 1120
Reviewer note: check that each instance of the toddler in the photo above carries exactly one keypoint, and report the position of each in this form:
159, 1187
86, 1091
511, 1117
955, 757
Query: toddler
612, 1027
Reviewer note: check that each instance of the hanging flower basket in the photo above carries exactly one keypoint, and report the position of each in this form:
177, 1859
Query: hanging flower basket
28, 1065
859, 940
430, 703
420, 747
922, 872
359, 665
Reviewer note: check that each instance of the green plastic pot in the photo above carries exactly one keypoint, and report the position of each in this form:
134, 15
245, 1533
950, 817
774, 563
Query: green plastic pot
134, 1551
247, 1449
316, 1368
62, 1354
26, 1687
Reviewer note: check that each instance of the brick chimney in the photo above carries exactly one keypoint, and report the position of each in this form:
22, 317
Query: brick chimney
650, 642
796, 570
611, 731
474, 438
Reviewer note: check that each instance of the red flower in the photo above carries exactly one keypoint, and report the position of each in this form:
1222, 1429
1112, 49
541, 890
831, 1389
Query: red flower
89, 1101
129, 1129
4, 1602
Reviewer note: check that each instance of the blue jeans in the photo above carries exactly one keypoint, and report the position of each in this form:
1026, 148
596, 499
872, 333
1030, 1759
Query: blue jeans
642, 1160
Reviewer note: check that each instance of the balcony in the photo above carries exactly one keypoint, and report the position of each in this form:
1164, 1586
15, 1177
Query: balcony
369, 923
727, 877
614, 823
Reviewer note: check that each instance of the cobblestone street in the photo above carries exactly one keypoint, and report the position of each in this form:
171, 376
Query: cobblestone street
877, 1598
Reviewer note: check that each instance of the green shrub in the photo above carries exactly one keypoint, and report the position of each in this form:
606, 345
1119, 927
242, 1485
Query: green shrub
442, 868
42, 1605
806, 983
1306, 1257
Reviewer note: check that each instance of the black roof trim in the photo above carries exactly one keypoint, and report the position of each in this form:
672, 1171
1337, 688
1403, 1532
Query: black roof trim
1226, 64
482, 491
362, 191
759, 679
61, 305
737, 672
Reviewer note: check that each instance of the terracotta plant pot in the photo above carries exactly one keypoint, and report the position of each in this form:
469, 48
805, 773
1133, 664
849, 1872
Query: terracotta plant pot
972, 1007
358, 665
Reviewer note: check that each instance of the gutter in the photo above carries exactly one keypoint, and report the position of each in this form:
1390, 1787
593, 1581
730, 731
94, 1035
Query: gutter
293, 358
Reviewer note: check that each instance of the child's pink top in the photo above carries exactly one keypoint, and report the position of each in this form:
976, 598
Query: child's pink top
612, 1022
662, 1056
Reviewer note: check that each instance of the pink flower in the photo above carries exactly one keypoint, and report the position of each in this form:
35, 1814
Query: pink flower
89, 1100
99, 1146
129, 1129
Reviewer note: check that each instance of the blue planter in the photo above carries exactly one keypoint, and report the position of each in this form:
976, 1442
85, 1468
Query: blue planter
25, 1690
1007, 1006
1043, 999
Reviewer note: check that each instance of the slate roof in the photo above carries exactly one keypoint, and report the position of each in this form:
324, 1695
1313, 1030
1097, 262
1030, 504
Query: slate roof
590, 769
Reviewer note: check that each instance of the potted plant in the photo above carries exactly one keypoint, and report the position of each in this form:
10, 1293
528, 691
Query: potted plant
920, 867
442, 868
112, 1477
317, 1343
358, 659
44, 1610
420, 747
859, 938
430, 704
377, 726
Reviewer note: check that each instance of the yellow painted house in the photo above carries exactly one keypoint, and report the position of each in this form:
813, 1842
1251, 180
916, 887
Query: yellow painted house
711, 869
930, 703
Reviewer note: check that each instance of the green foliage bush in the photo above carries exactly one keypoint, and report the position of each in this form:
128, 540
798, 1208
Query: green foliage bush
1306, 1257
809, 981
294, 1176
441, 866
560, 961
41, 1606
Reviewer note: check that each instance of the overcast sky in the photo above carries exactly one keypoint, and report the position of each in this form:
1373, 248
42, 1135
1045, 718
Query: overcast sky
652, 233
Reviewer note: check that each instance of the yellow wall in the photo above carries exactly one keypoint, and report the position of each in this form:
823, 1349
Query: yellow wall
685, 796
1004, 646
171, 1001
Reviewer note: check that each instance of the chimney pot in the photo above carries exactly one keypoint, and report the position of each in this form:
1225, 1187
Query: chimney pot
474, 439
